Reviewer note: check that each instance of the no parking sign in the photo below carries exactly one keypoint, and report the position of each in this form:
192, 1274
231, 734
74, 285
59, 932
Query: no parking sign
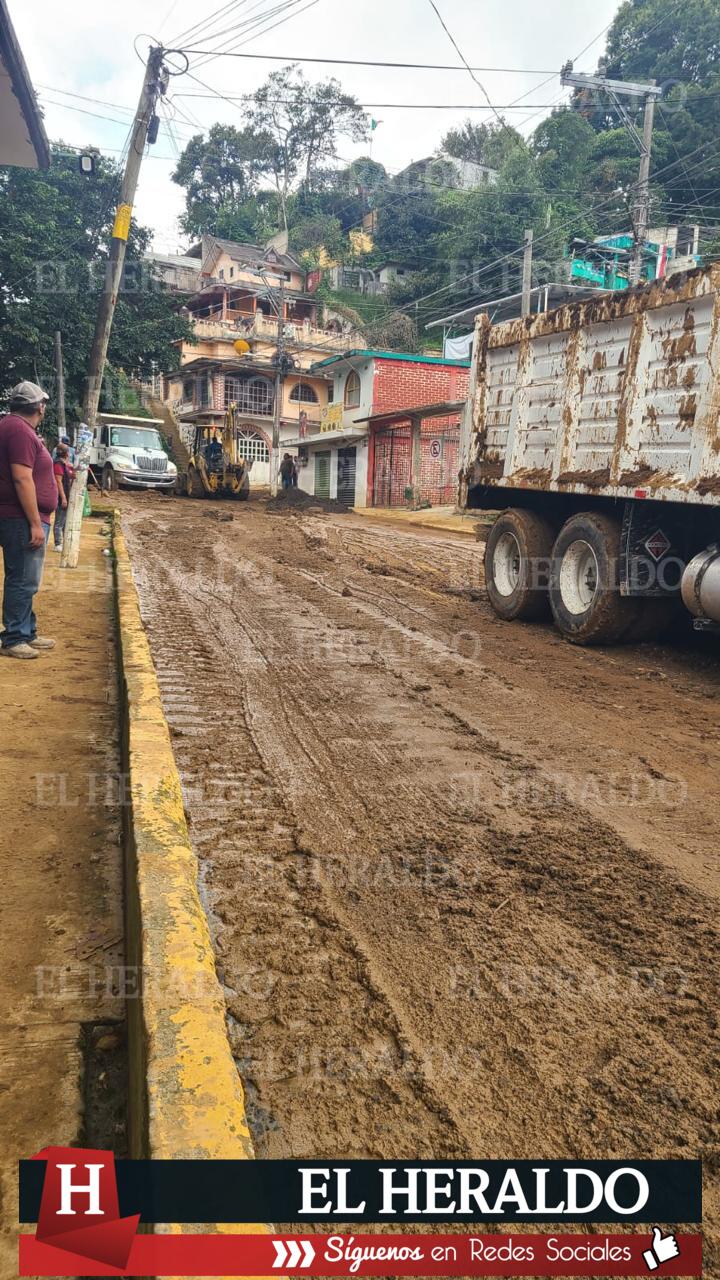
435, 448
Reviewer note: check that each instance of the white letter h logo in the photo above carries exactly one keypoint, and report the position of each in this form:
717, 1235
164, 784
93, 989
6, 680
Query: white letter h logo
68, 1189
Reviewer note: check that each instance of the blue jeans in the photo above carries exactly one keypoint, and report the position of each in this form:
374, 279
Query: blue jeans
59, 525
23, 572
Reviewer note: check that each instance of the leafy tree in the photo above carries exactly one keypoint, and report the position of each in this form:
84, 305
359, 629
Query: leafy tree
220, 175
303, 122
395, 332
488, 144
309, 236
54, 232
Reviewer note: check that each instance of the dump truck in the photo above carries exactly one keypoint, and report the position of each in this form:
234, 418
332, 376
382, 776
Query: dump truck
594, 431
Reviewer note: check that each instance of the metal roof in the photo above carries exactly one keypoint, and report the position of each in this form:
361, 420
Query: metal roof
363, 354
506, 307
329, 437
439, 410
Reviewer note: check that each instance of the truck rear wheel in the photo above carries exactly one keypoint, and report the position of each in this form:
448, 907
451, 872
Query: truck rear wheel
584, 582
517, 557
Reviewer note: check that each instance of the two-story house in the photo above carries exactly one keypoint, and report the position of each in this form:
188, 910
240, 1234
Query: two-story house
250, 301
358, 459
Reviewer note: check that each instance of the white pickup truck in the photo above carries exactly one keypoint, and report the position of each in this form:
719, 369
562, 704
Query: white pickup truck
595, 429
129, 451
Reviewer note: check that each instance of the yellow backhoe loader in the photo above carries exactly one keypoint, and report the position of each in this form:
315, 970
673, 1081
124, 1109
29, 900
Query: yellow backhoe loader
217, 468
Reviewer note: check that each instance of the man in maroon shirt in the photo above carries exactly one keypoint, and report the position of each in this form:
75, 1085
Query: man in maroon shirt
28, 497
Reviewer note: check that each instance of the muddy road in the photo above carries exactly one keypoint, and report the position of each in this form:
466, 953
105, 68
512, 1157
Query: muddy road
462, 877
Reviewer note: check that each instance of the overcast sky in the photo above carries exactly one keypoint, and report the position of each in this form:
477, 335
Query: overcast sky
75, 47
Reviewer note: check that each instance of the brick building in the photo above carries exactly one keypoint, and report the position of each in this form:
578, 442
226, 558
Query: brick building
367, 464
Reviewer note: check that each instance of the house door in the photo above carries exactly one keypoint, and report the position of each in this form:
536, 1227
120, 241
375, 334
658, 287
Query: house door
346, 476
322, 474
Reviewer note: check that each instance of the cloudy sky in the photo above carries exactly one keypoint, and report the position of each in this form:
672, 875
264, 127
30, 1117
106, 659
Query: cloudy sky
84, 69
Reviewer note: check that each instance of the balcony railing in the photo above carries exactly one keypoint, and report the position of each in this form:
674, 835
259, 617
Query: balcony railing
266, 328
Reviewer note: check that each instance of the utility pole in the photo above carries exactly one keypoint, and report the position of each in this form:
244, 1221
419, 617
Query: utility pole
279, 377
642, 206
154, 85
649, 92
60, 385
527, 271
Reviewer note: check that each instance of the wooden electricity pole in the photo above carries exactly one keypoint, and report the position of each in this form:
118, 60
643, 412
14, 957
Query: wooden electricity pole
279, 379
642, 206
527, 272
154, 85
60, 385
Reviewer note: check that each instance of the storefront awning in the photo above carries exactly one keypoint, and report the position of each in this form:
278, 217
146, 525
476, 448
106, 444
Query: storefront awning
324, 438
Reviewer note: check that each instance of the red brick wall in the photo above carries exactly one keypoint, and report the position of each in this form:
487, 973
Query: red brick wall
400, 384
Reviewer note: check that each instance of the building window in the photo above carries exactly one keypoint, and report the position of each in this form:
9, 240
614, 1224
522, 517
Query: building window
203, 391
303, 394
352, 391
253, 448
232, 272
221, 273
250, 394
188, 391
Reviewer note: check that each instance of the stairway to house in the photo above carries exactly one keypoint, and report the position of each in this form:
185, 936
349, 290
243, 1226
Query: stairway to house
179, 451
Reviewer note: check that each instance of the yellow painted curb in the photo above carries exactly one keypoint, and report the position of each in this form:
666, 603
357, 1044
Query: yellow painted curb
186, 1097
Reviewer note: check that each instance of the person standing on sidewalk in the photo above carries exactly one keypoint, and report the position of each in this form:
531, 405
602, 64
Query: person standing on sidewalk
28, 498
64, 475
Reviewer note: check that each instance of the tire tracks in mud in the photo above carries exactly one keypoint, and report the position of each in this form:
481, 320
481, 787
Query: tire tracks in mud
427, 948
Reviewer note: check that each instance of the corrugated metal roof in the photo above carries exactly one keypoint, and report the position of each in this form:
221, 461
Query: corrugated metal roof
389, 355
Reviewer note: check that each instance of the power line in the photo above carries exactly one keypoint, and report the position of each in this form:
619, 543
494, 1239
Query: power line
386, 106
367, 62
464, 60
205, 23
263, 30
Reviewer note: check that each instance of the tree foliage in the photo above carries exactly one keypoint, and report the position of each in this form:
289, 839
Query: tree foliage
54, 233
574, 176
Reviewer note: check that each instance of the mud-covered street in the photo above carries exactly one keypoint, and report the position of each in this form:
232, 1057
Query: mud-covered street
462, 876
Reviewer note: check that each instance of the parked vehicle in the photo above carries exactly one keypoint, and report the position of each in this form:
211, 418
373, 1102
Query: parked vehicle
130, 451
595, 430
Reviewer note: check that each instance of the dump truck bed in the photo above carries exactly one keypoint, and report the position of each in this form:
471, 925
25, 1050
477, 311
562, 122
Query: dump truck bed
616, 396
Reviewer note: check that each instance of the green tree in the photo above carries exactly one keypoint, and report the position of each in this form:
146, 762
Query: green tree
54, 235
303, 122
220, 174
488, 144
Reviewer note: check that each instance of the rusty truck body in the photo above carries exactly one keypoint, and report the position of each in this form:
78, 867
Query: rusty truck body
595, 430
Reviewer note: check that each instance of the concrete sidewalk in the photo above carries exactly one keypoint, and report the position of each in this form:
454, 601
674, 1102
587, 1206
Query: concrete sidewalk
60, 867
448, 519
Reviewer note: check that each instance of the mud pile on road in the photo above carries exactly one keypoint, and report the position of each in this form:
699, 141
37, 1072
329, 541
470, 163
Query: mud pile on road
296, 502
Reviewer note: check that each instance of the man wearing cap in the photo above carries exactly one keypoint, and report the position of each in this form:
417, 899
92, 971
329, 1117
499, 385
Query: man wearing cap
28, 497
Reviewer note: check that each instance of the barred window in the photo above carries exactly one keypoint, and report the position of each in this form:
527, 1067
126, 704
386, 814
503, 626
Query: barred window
253, 448
250, 394
303, 393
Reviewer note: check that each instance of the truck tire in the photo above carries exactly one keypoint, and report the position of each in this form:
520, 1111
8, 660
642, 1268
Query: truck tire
109, 483
517, 558
584, 582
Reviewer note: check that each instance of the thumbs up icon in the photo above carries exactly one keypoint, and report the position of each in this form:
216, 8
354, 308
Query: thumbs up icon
663, 1248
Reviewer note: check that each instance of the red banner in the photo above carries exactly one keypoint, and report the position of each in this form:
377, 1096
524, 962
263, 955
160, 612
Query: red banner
381, 1255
